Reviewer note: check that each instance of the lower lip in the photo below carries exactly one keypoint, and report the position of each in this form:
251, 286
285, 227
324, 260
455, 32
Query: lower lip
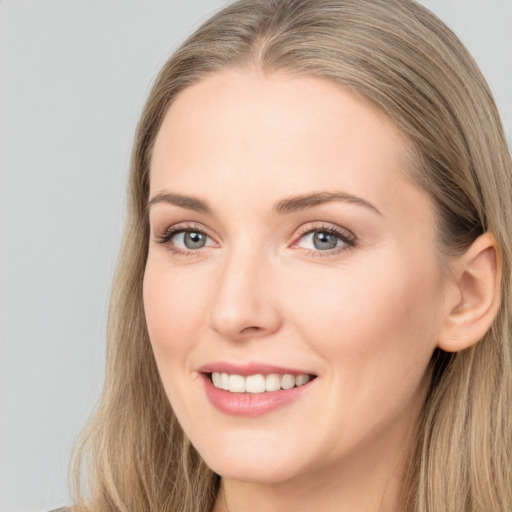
251, 404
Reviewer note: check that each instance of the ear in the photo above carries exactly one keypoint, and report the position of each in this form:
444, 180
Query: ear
474, 299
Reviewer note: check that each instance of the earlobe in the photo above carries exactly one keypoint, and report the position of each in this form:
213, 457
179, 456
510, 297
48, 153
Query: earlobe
476, 297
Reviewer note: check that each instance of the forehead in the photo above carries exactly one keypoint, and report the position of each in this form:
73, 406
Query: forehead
286, 105
292, 133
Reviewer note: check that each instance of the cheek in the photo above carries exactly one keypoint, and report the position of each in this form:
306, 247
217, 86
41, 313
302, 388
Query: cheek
346, 302
376, 327
174, 308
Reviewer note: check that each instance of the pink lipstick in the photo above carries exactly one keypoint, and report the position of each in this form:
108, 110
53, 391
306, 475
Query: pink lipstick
253, 389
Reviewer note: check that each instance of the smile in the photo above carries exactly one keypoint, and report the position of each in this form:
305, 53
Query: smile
254, 389
257, 383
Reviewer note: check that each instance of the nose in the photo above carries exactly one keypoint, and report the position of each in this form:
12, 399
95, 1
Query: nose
243, 304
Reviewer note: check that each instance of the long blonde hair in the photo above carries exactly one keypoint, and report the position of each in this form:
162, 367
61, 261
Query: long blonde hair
401, 58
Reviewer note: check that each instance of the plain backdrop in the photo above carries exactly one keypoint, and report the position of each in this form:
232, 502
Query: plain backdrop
73, 78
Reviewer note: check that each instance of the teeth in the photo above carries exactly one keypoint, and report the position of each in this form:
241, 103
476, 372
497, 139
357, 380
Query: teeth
287, 381
216, 379
236, 384
301, 379
273, 382
257, 383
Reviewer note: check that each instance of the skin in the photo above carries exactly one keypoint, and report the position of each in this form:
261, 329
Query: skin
364, 319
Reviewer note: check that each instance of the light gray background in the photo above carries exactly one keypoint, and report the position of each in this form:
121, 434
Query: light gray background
74, 75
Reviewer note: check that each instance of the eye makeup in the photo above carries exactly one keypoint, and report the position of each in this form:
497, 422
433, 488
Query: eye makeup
315, 239
324, 239
185, 239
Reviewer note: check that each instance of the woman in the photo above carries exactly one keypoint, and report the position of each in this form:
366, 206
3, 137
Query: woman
312, 304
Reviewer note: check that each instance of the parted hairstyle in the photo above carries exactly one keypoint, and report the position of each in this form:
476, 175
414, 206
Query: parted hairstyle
133, 456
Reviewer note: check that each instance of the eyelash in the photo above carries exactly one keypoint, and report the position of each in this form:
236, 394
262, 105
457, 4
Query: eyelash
349, 240
165, 238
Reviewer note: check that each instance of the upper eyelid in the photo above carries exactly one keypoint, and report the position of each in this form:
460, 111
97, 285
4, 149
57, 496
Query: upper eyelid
164, 236
186, 226
300, 232
165, 239
332, 228
348, 238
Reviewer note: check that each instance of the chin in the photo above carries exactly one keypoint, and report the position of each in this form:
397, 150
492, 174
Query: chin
253, 463
263, 472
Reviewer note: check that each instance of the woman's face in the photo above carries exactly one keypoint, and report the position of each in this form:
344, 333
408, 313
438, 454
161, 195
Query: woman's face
287, 239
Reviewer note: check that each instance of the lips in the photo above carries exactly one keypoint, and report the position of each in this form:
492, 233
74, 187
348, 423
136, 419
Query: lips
253, 389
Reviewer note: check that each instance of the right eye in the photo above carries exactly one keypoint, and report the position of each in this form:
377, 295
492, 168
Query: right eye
189, 240
185, 240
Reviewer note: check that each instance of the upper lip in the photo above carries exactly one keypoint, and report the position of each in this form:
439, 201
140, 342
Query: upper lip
252, 368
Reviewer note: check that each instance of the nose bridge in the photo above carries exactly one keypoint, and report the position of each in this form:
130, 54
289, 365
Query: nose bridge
242, 304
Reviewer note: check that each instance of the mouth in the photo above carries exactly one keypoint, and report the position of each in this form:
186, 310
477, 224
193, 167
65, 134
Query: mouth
257, 383
253, 389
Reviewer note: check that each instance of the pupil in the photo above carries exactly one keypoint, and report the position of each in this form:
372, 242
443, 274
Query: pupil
324, 241
194, 240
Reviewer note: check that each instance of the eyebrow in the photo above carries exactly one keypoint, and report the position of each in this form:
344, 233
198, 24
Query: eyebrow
284, 206
304, 202
187, 202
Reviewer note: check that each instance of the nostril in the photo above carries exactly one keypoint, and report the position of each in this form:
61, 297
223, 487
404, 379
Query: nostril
252, 328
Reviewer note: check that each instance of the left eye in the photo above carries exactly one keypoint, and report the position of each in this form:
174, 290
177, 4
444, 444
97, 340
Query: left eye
190, 240
321, 241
